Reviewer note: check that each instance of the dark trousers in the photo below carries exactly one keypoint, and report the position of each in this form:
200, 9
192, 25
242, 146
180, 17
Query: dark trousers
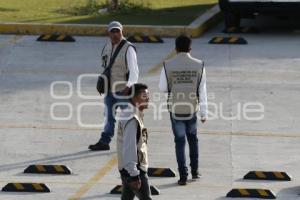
183, 129
143, 193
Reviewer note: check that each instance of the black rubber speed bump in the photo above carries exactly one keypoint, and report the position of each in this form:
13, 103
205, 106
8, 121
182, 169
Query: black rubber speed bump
144, 39
273, 176
47, 169
161, 172
241, 30
154, 190
118, 190
25, 187
251, 193
228, 40
55, 38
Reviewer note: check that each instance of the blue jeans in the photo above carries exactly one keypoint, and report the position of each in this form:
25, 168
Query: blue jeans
181, 129
110, 111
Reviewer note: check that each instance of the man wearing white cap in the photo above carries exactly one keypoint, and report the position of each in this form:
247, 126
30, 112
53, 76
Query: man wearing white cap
124, 73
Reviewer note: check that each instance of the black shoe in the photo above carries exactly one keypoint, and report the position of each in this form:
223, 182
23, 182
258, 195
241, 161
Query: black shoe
196, 174
182, 181
99, 146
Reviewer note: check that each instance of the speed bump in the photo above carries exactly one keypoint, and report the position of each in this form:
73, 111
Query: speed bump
118, 190
241, 30
262, 175
161, 172
144, 39
47, 169
251, 193
228, 40
55, 38
25, 187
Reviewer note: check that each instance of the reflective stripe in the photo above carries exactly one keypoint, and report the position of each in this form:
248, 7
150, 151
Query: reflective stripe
40, 168
218, 39
153, 39
244, 192
58, 168
158, 171
233, 39
263, 193
37, 186
46, 37
279, 175
61, 37
260, 174
19, 186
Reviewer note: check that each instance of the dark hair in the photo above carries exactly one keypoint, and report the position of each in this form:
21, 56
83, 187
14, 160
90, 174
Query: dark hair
137, 88
183, 43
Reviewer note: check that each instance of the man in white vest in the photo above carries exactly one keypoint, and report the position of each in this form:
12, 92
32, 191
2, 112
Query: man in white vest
184, 78
124, 73
132, 146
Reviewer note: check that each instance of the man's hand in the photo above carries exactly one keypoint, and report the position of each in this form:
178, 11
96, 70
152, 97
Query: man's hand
203, 119
135, 184
126, 91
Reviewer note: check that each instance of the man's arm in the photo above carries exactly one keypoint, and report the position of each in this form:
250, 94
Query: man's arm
203, 96
132, 66
129, 151
163, 84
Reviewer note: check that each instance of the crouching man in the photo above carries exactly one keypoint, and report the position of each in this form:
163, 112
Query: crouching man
132, 146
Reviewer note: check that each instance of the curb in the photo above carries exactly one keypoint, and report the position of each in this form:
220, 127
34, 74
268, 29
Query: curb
195, 29
204, 22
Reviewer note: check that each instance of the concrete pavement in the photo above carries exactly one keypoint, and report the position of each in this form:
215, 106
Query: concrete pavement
265, 71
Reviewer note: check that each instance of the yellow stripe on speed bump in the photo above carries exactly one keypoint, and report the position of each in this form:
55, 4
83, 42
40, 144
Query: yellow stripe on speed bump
158, 171
244, 192
267, 175
47, 37
263, 193
37, 186
48, 169
26, 187
251, 193
19, 186
40, 168
61, 37
228, 40
260, 174
153, 39
279, 175
120, 189
138, 38
56, 38
233, 39
218, 39
58, 168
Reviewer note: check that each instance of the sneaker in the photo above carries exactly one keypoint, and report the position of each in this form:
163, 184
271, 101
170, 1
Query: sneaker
99, 146
196, 174
182, 181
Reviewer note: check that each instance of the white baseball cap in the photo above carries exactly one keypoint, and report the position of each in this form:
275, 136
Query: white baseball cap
114, 24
